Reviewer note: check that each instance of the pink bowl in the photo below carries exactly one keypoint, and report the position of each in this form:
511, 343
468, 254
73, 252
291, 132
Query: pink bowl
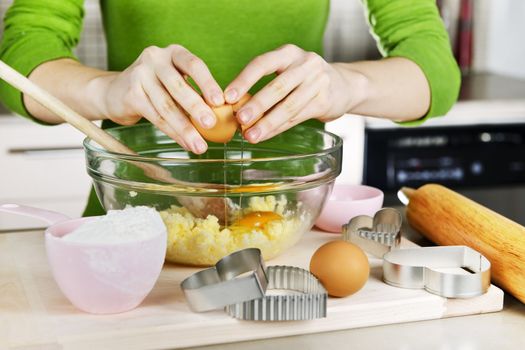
346, 202
104, 278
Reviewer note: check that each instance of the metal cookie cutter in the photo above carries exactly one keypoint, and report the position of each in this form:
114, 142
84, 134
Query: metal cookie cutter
417, 268
377, 235
219, 286
305, 300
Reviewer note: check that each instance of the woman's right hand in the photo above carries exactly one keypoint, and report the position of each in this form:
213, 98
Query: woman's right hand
155, 87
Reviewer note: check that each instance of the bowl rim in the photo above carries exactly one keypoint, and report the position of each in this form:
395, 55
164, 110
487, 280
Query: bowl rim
91, 146
378, 193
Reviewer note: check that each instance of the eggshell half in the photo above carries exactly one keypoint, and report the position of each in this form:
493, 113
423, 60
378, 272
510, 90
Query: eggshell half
224, 128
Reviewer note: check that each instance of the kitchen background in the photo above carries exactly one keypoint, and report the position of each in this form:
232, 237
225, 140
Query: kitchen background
44, 166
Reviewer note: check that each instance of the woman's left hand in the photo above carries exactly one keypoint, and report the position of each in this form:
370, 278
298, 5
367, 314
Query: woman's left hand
306, 87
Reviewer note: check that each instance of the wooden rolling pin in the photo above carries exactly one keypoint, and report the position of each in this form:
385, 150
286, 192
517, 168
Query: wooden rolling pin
448, 218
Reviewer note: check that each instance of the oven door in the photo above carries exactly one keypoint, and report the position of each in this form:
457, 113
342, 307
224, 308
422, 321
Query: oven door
484, 162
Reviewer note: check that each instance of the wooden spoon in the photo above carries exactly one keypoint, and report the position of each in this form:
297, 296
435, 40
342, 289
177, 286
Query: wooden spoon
79, 122
199, 206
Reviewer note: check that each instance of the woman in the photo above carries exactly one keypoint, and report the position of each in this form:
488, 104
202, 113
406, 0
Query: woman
272, 48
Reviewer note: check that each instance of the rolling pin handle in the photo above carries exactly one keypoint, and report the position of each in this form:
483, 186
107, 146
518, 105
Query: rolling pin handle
404, 194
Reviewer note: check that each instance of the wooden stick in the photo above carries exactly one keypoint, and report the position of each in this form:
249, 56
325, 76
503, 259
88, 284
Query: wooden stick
58, 107
199, 206
407, 191
79, 122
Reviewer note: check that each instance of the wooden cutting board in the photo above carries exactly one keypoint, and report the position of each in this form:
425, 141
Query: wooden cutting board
34, 314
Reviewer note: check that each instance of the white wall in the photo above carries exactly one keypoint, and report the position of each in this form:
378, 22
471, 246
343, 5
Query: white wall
499, 34
347, 37
499, 37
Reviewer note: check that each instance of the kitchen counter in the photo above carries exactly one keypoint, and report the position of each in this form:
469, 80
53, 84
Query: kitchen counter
486, 87
502, 330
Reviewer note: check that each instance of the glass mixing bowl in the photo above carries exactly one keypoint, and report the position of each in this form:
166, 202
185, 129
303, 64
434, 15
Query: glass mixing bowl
234, 196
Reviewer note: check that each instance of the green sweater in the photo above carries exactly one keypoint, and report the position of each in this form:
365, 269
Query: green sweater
226, 34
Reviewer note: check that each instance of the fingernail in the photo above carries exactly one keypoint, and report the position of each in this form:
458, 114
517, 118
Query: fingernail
253, 134
231, 95
207, 120
217, 99
245, 115
200, 146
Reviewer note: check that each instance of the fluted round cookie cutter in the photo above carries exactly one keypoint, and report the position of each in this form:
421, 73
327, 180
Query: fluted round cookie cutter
301, 297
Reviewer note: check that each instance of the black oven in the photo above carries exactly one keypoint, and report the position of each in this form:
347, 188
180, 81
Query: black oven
485, 162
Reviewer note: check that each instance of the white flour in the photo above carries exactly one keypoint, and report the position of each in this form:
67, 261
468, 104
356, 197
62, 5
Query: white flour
119, 226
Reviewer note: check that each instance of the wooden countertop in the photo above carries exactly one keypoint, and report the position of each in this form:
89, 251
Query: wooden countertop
34, 314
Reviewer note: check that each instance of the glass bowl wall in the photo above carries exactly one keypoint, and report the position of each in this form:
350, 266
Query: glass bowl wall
233, 196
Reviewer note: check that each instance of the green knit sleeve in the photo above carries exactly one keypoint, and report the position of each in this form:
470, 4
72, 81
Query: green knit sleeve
37, 31
413, 29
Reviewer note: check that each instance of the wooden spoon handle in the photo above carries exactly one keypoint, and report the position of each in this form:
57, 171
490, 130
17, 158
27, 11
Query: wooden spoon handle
58, 107
82, 124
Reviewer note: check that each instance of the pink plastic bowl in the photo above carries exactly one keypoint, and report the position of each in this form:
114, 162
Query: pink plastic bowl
99, 278
104, 278
346, 202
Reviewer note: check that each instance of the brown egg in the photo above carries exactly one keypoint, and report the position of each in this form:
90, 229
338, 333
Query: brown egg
227, 123
224, 128
342, 267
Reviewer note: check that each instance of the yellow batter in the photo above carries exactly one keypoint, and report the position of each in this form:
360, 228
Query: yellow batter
197, 241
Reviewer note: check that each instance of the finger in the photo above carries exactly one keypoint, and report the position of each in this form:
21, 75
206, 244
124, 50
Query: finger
242, 101
265, 64
303, 115
283, 115
194, 67
150, 113
170, 114
185, 95
272, 94
313, 110
141, 104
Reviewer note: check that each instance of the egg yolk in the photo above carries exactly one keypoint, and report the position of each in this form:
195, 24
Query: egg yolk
254, 188
256, 219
